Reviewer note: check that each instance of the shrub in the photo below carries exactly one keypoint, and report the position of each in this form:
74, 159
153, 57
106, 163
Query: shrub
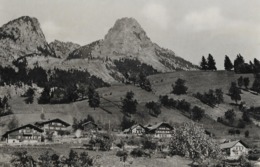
241, 124
197, 113
247, 134
137, 152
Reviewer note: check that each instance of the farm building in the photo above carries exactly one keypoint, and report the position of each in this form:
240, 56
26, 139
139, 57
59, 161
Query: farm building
160, 130
89, 128
137, 129
234, 149
53, 126
24, 134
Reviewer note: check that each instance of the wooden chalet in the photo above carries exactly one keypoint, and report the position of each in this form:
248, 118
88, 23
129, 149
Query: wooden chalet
137, 129
24, 134
89, 128
160, 130
234, 149
54, 125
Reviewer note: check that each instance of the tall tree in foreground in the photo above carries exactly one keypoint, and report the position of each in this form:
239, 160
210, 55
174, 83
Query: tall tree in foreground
190, 140
179, 87
129, 104
203, 64
228, 64
234, 92
211, 63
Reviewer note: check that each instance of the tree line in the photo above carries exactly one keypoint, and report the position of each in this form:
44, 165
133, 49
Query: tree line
239, 65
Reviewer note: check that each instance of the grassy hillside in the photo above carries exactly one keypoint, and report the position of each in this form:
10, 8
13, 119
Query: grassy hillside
109, 110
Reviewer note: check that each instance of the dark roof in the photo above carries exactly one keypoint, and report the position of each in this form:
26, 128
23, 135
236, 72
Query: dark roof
89, 122
154, 127
231, 144
40, 123
28, 125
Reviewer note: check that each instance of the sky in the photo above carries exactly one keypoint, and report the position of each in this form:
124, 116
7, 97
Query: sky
191, 28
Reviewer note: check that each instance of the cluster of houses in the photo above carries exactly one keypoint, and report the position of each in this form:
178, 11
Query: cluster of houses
159, 130
39, 131
35, 133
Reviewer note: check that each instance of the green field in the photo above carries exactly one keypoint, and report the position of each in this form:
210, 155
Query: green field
109, 110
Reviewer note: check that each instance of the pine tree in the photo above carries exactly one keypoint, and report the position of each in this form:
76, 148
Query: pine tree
246, 82
256, 83
45, 96
179, 87
203, 64
234, 92
238, 62
228, 64
211, 63
129, 103
93, 98
240, 81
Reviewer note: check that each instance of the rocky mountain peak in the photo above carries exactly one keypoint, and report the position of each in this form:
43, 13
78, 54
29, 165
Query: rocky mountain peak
63, 49
126, 36
23, 36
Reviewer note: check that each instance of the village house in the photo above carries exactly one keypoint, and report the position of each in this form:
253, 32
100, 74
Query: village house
160, 130
57, 126
24, 134
89, 128
234, 149
137, 129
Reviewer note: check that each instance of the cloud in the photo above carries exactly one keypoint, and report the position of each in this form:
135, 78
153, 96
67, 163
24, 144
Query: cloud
157, 14
51, 30
208, 19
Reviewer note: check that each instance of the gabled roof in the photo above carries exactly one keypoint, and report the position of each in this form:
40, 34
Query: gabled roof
132, 127
232, 144
21, 127
40, 123
154, 127
89, 122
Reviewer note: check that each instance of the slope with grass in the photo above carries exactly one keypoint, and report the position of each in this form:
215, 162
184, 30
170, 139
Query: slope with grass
110, 106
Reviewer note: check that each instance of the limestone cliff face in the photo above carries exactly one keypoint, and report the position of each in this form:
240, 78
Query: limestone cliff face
127, 39
21, 37
63, 49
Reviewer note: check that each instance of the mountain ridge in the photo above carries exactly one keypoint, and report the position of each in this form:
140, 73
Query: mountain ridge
23, 37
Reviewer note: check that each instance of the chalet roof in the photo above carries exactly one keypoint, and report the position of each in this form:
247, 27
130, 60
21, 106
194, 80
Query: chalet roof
132, 127
89, 122
52, 120
154, 127
21, 127
232, 144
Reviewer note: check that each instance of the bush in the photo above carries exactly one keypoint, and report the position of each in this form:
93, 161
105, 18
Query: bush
241, 124
197, 113
149, 144
253, 157
138, 152
211, 97
247, 134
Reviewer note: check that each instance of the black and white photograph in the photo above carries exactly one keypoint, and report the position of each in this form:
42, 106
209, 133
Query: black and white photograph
129, 83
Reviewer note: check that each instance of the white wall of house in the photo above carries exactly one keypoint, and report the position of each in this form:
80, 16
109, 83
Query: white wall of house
138, 130
238, 150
